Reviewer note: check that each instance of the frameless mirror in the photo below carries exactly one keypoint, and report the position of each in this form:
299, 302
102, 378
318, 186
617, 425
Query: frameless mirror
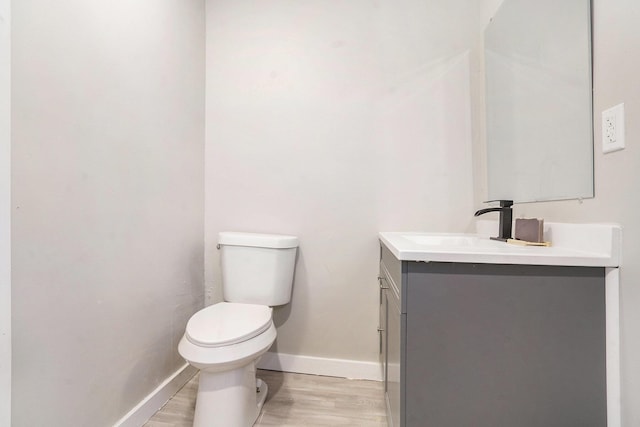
539, 101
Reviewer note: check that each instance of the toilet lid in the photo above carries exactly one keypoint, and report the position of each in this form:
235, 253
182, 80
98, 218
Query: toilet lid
227, 323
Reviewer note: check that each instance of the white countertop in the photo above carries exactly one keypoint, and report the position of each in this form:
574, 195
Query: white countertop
589, 245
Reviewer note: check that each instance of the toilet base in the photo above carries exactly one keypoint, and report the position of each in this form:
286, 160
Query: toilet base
262, 390
230, 398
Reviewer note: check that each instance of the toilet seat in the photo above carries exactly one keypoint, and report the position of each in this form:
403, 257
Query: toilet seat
227, 323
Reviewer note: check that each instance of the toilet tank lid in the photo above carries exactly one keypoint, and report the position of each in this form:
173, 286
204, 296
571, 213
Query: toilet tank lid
278, 241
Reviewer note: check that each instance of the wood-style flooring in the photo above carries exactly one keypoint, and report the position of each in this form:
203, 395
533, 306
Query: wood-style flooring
294, 400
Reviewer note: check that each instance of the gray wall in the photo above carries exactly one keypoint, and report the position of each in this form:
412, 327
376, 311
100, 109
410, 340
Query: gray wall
333, 121
107, 204
5, 215
616, 50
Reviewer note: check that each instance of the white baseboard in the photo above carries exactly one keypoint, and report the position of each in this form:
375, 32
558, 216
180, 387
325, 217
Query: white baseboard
321, 366
144, 410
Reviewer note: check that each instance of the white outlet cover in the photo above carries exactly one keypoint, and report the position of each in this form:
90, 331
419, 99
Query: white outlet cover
613, 129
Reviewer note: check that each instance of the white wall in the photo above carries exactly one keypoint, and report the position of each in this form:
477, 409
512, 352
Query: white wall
334, 121
107, 181
5, 213
616, 50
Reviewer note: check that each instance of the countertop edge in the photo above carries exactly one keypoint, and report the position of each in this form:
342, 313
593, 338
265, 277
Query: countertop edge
609, 256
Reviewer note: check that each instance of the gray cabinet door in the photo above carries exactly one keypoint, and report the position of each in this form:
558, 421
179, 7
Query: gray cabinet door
382, 327
394, 353
501, 345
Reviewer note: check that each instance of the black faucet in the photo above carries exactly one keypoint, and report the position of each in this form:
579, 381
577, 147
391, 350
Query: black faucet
506, 217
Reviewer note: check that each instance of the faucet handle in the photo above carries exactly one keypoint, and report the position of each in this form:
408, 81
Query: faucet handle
503, 203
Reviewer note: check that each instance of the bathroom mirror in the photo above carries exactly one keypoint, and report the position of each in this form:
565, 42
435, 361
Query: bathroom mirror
539, 101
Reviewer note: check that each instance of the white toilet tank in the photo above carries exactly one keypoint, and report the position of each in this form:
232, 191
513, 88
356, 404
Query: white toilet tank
257, 268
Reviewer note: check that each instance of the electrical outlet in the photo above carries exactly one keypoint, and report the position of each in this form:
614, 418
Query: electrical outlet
613, 129
609, 128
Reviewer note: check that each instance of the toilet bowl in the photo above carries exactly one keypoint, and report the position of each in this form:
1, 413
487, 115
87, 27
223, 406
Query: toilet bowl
226, 340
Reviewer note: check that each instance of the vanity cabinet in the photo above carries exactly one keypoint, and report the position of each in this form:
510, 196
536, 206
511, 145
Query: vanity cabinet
390, 344
485, 345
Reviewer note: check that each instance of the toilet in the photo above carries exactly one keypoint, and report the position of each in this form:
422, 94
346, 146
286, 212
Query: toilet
225, 340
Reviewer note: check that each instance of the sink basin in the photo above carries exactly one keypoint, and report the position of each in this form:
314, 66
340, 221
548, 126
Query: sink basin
442, 240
